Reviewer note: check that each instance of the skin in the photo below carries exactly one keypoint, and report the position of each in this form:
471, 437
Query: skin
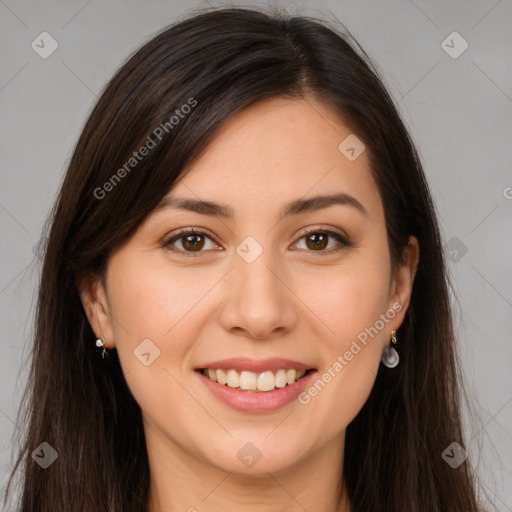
293, 301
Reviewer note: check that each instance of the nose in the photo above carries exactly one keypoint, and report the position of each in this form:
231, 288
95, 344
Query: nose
257, 302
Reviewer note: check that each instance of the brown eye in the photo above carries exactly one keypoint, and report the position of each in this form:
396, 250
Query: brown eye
317, 241
190, 241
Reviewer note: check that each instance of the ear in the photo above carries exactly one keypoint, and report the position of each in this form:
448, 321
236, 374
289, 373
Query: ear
94, 300
403, 279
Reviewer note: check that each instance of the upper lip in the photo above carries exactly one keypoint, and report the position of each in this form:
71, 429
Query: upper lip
256, 365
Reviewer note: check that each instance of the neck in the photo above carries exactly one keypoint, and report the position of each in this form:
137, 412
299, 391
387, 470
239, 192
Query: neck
181, 482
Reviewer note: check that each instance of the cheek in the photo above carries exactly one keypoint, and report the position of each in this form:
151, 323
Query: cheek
142, 303
167, 306
150, 308
351, 304
144, 307
350, 299
152, 298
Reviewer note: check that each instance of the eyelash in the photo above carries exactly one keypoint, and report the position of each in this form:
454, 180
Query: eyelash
343, 242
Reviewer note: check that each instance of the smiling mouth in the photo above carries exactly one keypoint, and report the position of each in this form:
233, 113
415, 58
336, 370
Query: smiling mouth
265, 381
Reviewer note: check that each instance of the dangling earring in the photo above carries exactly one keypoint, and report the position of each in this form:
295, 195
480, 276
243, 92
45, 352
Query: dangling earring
101, 344
389, 355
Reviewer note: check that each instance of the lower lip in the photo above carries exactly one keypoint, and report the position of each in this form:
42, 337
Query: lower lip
257, 401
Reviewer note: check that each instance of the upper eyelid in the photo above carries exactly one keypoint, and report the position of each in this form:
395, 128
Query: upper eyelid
191, 230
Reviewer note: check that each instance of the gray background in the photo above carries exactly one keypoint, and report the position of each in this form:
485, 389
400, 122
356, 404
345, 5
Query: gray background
459, 111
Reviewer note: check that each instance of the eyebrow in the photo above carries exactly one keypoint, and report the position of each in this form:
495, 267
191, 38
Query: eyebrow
295, 207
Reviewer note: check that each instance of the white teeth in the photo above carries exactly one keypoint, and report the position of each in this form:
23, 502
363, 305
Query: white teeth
280, 378
251, 381
221, 377
247, 380
290, 376
233, 379
266, 381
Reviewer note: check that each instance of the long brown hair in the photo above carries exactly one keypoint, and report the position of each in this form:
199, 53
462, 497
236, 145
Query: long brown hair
219, 62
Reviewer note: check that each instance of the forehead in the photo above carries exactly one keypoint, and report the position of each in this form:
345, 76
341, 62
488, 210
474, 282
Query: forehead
276, 151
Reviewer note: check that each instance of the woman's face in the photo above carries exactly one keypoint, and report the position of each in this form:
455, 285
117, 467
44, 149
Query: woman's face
253, 286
